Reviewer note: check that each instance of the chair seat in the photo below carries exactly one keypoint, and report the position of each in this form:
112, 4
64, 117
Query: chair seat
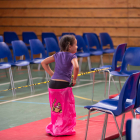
82, 54
128, 73
116, 73
103, 67
110, 105
96, 52
21, 63
108, 50
36, 61
4, 65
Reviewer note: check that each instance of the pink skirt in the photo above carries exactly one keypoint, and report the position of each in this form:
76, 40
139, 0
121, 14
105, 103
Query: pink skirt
63, 115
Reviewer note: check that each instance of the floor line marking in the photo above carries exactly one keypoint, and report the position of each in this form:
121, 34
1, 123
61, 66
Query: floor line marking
20, 81
42, 78
38, 103
43, 94
84, 98
34, 79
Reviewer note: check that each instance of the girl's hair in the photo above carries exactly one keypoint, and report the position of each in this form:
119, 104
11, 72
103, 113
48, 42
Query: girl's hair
65, 41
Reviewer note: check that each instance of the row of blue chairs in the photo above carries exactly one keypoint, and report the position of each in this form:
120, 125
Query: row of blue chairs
20, 49
105, 39
85, 43
129, 97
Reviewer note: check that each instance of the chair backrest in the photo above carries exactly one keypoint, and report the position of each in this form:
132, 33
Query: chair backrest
10, 36
26, 36
131, 57
5, 52
48, 34
81, 43
1, 38
129, 91
118, 56
91, 40
90, 33
19, 49
67, 33
51, 45
37, 48
105, 39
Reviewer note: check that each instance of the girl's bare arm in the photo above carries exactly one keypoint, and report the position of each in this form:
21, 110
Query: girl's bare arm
76, 70
45, 64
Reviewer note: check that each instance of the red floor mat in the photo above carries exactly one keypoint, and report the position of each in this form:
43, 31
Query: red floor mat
36, 130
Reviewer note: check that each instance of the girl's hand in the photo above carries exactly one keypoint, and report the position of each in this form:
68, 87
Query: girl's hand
73, 81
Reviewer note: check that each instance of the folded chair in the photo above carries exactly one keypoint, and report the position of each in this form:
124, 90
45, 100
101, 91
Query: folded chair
117, 107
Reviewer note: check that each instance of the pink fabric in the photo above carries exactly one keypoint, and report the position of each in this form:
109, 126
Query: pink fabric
63, 115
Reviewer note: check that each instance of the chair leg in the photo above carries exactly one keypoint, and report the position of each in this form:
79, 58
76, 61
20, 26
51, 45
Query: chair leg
21, 58
122, 123
80, 65
120, 84
39, 65
31, 72
101, 60
6, 73
104, 127
87, 125
12, 76
47, 78
109, 58
105, 83
133, 113
109, 85
117, 127
93, 85
115, 85
12, 82
89, 65
30, 78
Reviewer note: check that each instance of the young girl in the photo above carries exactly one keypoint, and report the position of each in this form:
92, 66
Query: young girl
63, 115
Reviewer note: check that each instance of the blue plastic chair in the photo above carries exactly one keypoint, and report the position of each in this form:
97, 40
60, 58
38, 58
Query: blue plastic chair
131, 57
26, 36
83, 51
130, 126
117, 57
19, 49
48, 35
1, 38
37, 48
105, 40
92, 41
117, 107
5, 52
51, 45
68, 33
9, 37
